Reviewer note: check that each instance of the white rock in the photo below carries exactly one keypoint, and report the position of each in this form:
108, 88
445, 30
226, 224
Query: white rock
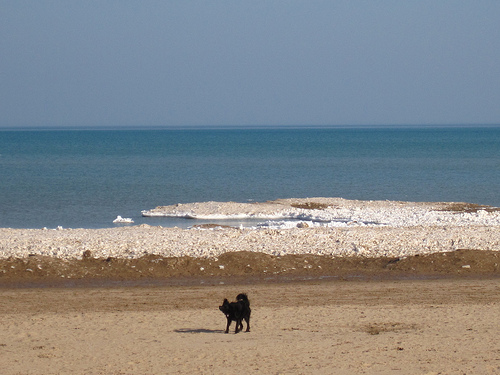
120, 219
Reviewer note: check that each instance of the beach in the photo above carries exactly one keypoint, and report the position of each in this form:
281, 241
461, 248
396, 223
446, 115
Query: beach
337, 161
393, 287
377, 327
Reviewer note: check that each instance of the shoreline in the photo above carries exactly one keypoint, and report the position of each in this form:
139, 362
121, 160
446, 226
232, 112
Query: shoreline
401, 239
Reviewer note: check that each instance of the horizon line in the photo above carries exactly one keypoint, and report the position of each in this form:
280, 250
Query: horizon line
238, 127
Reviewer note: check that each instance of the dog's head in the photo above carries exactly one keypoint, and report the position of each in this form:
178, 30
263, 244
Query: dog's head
225, 307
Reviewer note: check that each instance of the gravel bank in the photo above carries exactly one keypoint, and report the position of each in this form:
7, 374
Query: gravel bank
403, 229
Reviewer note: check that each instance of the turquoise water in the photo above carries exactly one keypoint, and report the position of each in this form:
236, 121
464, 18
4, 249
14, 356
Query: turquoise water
85, 178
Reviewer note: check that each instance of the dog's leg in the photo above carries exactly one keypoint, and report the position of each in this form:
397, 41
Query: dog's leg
238, 324
248, 324
228, 324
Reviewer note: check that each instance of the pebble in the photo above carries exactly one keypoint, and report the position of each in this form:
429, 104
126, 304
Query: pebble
175, 242
404, 229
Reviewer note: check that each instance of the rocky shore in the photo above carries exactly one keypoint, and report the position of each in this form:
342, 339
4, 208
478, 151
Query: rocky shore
368, 229
136, 242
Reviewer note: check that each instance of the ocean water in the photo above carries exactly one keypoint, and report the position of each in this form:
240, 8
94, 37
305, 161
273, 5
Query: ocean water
85, 178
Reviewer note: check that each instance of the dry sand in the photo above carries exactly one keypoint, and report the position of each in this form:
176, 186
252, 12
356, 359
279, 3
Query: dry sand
356, 327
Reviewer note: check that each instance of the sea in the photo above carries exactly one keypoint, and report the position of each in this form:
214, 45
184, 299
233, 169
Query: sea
85, 178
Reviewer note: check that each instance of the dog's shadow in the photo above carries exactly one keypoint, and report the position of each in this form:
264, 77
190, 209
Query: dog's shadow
198, 330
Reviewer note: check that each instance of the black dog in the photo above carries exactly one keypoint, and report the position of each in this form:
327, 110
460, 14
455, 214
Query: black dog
237, 311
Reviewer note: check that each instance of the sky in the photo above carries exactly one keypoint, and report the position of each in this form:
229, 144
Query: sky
74, 63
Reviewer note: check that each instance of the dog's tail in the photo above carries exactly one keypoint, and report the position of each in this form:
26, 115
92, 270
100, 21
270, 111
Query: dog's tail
242, 297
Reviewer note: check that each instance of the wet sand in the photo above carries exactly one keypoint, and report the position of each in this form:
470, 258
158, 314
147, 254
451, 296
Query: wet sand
242, 267
447, 326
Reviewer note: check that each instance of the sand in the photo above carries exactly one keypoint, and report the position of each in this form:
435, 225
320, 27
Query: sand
416, 293
385, 327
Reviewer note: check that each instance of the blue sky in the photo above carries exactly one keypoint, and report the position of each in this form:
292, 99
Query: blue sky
184, 63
